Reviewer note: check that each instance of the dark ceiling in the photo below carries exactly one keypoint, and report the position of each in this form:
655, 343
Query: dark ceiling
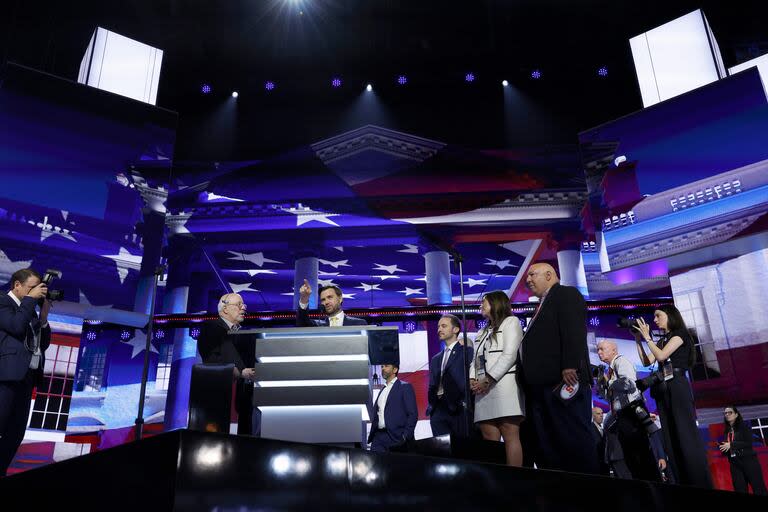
302, 44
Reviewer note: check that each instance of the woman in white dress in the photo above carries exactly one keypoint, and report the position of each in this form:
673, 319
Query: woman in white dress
498, 399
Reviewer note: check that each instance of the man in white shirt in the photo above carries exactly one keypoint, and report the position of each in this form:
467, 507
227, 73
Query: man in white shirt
394, 412
24, 337
630, 453
331, 300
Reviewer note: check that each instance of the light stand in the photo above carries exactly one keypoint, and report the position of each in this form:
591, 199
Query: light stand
159, 270
467, 419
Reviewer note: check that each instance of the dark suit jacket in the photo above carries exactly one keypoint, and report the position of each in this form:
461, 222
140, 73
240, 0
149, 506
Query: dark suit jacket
14, 329
454, 381
216, 345
742, 441
600, 443
303, 320
556, 339
400, 413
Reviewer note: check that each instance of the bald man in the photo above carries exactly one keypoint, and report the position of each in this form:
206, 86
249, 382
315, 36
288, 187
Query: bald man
640, 453
554, 358
218, 344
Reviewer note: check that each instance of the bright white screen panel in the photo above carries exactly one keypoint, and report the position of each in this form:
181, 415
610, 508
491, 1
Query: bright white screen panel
121, 65
675, 58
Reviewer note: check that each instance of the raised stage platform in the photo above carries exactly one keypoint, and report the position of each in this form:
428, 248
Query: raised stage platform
188, 470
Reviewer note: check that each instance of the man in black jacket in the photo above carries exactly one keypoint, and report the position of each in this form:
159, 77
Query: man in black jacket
331, 300
24, 338
218, 344
555, 376
448, 381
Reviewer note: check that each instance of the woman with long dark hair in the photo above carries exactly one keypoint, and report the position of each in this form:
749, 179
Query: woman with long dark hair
498, 399
675, 354
745, 468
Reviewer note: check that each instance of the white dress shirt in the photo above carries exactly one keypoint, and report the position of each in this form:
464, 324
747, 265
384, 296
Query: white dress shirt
381, 401
336, 320
446, 355
622, 367
34, 363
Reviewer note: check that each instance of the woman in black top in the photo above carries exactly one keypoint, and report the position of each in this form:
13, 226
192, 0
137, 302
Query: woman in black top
674, 399
745, 468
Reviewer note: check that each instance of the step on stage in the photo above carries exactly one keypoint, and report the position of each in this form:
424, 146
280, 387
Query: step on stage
188, 470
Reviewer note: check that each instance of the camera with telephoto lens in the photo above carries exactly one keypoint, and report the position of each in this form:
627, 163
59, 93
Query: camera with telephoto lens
627, 322
649, 381
48, 278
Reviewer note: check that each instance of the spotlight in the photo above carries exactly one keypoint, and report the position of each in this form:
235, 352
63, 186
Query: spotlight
124, 335
269, 86
402, 80
469, 77
336, 82
205, 89
369, 87
505, 83
90, 336
603, 71
235, 94
535, 74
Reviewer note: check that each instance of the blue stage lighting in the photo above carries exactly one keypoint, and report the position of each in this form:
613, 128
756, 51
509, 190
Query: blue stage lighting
369, 87
402, 79
336, 82
205, 89
603, 71
505, 83
235, 94
269, 86
91, 335
535, 74
469, 77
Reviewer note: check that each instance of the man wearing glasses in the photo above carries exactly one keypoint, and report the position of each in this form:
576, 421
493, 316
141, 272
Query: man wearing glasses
219, 344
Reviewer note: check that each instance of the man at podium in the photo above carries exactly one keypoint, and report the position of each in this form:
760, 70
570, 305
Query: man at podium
331, 300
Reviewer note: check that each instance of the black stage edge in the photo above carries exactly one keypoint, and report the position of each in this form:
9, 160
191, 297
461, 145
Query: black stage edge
188, 470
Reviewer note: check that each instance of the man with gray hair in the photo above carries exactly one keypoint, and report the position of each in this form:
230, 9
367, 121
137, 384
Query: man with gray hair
633, 444
218, 344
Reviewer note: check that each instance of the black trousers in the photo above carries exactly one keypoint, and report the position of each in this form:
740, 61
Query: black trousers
682, 439
559, 432
15, 402
746, 470
443, 421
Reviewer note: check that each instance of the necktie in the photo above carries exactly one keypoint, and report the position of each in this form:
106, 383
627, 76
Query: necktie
234, 328
446, 355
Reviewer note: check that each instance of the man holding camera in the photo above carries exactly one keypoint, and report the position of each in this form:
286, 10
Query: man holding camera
24, 337
633, 444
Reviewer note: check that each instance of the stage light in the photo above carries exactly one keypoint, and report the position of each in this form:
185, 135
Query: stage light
603, 71
124, 335
235, 94
469, 77
369, 87
410, 326
205, 89
336, 82
505, 83
269, 86
91, 335
159, 334
535, 74
402, 79
194, 332
619, 160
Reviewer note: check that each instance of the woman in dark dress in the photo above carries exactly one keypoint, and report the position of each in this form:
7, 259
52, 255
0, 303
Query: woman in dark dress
745, 468
675, 354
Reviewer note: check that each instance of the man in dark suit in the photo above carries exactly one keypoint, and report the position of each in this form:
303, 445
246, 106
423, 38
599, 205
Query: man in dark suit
394, 412
218, 344
448, 381
599, 436
331, 300
555, 376
24, 337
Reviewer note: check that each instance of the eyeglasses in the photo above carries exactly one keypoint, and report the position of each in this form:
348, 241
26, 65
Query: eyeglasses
729, 413
239, 306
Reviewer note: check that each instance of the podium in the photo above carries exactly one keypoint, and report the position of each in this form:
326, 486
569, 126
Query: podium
313, 383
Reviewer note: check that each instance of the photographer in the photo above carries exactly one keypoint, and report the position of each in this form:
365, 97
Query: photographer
633, 441
24, 337
675, 354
